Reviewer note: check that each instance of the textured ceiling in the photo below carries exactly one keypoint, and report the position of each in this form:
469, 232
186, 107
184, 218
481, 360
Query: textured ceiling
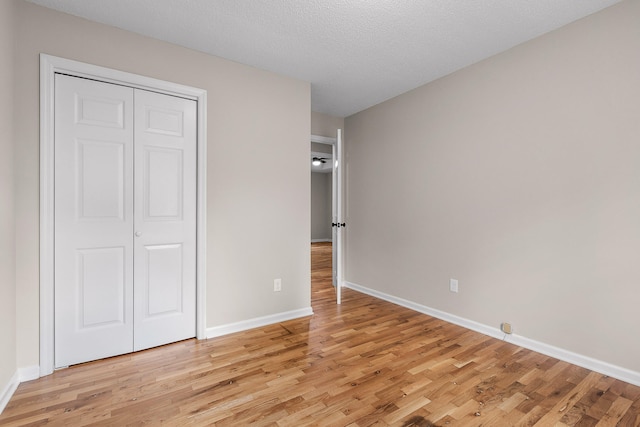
355, 53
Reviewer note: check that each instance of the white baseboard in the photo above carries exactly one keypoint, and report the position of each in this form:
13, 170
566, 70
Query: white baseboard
29, 373
21, 375
624, 374
320, 240
257, 322
8, 390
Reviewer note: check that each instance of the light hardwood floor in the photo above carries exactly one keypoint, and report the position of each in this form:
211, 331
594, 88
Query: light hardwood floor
366, 362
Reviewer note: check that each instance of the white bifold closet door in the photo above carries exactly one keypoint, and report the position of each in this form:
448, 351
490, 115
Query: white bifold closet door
125, 219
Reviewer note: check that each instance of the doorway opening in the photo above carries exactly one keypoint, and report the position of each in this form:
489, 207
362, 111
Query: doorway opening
326, 202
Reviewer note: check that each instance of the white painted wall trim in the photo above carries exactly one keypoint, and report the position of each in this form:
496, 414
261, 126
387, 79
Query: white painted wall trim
323, 139
21, 375
596, 365
49, 66
8, 390
258, 322
321, 240
29, 373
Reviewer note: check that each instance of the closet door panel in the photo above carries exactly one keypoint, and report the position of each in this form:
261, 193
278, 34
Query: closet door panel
93, 220
165, 219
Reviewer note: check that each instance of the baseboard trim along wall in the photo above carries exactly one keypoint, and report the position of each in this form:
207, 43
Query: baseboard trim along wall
596, 365
29, 373
8, 391
320, 240
257, 322
21, 375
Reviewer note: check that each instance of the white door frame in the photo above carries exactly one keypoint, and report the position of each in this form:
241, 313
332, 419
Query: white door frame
338, 191
49, 66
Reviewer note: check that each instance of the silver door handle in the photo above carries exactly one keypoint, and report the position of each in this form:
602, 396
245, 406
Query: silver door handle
138, 233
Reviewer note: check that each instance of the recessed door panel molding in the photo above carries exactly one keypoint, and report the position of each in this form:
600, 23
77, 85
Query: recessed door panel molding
164, 287
164, 121
101, 287
101, 180
163, 186
99, 111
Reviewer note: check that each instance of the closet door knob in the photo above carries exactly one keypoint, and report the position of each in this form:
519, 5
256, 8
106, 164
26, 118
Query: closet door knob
138, 233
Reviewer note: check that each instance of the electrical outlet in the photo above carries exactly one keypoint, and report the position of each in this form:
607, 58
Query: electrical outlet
277, 285
453, 285
506, 328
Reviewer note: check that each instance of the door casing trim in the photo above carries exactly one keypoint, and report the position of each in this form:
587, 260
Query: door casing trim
49, 66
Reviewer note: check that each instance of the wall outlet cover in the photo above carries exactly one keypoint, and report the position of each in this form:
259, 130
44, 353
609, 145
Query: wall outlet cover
506, 328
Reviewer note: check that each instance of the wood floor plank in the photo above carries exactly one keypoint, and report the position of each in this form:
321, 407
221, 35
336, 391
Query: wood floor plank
366, 362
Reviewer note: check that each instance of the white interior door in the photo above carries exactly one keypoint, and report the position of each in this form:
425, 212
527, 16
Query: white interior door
334, 219
93, 220
338, 220
165, 219
125, 220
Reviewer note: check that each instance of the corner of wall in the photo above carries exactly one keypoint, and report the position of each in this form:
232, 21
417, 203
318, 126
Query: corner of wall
8, 390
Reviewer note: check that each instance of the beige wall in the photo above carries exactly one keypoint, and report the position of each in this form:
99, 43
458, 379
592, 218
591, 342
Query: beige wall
258, 215
321, 206
520, 177
7, 223
325, 125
